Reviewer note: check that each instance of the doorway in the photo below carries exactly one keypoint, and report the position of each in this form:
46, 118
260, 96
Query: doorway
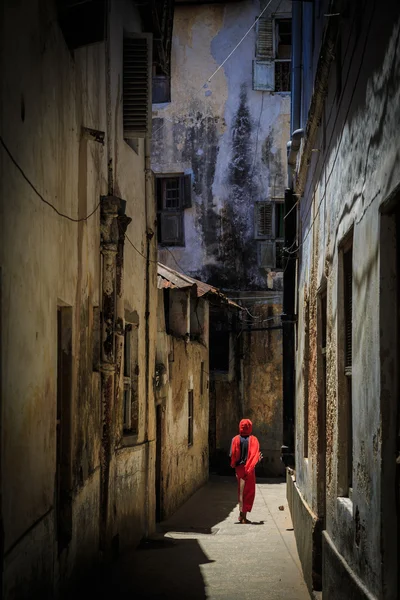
389, 315
63, 499
159, 466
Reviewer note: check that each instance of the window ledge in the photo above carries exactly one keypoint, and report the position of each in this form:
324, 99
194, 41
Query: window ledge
129, 439
160, 105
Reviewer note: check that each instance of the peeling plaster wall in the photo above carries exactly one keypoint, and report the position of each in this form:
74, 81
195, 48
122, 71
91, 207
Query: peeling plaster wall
232, 139
359, 153
47, 95
262, 385
183, 468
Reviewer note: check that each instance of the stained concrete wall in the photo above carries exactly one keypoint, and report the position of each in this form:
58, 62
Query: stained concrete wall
184, 468
252, 387
262, 380
230, 137
355, 170
232, 140
48, 94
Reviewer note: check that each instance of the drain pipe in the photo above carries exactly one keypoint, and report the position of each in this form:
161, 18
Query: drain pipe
289, 276
297, 35
293, 148
150, 260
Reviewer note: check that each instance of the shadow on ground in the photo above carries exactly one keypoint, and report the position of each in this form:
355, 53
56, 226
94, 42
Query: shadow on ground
172, 563
170, 559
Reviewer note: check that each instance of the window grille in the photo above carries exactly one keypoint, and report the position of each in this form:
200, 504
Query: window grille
282, 75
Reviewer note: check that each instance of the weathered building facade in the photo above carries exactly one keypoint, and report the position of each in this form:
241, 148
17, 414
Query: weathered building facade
77, 330
346, 179
219, 154
181, 389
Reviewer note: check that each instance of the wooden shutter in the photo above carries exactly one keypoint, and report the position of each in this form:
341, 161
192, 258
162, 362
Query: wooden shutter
186, 188
348, 305
171, 228
137, 85
264, 220
266, 254
264, 75
265, 39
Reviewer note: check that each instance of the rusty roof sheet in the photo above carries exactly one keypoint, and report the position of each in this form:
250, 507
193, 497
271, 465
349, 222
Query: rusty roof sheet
168, 278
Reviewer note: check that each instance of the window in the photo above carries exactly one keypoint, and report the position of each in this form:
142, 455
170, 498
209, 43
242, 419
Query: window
64, 427
269, 225
174, 194
198, 310
272, 66
131, 377
264, 219
96, 338
137, 85
161, 86
345, 338
190, 418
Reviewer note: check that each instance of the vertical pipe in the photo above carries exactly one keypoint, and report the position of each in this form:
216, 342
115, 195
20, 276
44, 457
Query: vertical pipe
297, 17
288, 322
149, 197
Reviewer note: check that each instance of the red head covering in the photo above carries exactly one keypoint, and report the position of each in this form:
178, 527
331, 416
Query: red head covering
245, 427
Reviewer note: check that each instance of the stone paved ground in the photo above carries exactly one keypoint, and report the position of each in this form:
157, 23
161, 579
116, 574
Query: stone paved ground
201, 552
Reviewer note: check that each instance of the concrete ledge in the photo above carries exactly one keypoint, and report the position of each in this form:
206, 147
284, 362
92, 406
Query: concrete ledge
307, 530
339, 580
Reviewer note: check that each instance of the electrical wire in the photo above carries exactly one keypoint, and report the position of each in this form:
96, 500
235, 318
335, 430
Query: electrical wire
205, 84
14, 161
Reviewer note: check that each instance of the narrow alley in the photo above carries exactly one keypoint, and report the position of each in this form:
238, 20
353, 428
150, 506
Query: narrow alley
200, 259
202, 552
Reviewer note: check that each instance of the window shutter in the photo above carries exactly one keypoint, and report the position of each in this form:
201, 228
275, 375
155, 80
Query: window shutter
137, 85
187, 191
264, 75
264, 219
266, 254
171, 228
265, 38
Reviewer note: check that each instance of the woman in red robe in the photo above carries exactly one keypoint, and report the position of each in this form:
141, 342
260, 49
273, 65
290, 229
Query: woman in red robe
245, 454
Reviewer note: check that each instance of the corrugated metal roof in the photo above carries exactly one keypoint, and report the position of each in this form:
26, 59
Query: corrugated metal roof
168, 278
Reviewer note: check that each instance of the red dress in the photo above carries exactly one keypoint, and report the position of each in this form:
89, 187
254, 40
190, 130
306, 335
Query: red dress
245, 474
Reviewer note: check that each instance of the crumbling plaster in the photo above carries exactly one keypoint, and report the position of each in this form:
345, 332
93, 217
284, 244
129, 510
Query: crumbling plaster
184, 468
57, 262
361, 171
232, 139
